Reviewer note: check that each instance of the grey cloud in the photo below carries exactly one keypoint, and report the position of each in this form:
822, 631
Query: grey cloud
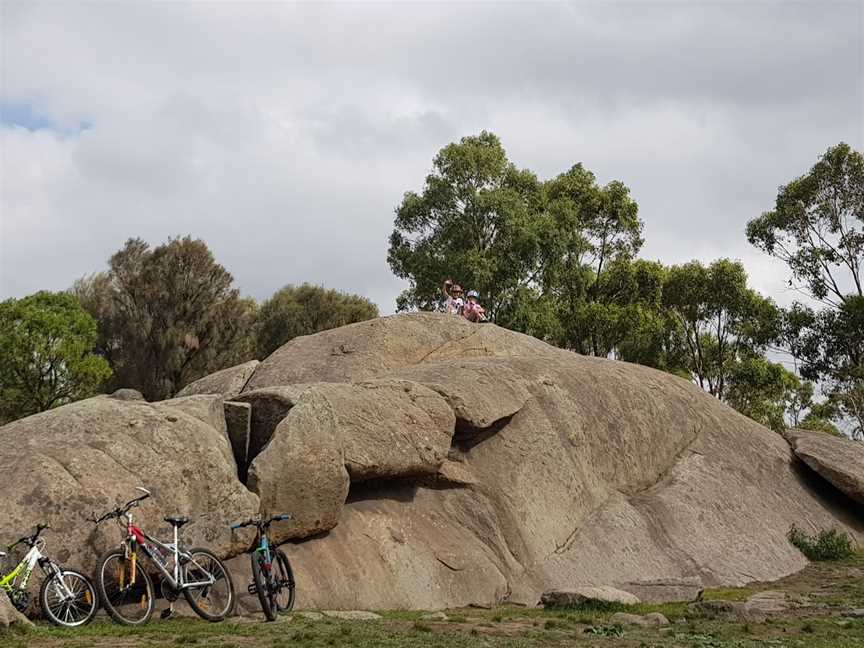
285, 135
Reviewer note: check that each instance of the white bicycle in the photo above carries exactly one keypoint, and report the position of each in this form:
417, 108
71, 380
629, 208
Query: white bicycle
68, 598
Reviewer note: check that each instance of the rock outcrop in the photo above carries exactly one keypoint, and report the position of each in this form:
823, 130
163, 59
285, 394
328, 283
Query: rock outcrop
225, 382
11, 620
433, 463
837, 459
62, 466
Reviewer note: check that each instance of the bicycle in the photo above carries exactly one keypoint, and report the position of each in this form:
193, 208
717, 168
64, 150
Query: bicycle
127, 590
68, 598
275, 590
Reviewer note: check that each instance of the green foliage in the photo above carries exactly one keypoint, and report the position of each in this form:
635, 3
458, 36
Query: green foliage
46, 354
762, 390
167, 315
303, 310
476, 219
549, 259
817, 228
828, 544
718, 322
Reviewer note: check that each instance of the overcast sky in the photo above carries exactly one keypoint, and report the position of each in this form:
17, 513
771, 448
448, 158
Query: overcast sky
284, 135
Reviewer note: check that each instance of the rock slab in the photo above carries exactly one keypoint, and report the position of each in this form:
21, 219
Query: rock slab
586, 596
838, 459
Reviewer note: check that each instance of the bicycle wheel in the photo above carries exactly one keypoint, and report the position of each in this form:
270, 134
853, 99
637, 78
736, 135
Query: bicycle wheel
211, 602
126, 602
284, 577
263, 579
68, 599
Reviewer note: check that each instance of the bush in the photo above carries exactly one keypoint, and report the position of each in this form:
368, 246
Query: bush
830, 544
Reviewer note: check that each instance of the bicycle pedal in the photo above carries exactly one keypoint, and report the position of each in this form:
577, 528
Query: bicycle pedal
252, 589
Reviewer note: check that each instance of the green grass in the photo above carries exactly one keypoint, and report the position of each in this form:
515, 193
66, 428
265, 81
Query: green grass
830, 587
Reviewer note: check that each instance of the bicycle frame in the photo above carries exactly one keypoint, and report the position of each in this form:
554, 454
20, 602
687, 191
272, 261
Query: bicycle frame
25, 568
136, 538
264, 548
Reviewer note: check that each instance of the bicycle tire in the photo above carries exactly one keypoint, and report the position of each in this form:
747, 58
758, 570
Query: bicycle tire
107, 600
86, 594
263, 586
284, 579
195, 602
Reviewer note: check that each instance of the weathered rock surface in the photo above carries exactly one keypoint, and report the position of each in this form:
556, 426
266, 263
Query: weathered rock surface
268, 407
127, 395
665, 590
226, 382
651, 619
11, 620
582, 596
390, 428
207, 408
302, 471
837, 459
62, 466
431, 463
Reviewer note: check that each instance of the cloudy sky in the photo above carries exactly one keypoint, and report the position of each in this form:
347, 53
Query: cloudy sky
284, 134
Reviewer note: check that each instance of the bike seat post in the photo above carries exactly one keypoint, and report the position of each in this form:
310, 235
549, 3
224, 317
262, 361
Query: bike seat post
176, 556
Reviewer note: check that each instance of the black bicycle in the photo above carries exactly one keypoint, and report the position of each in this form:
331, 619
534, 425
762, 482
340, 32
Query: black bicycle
272, 576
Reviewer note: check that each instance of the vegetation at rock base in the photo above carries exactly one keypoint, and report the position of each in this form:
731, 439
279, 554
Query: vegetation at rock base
46, 354
827, 544
823, 596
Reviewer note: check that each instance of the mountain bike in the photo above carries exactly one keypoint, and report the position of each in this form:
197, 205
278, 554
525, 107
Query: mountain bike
68, 598
126, 589
272, 576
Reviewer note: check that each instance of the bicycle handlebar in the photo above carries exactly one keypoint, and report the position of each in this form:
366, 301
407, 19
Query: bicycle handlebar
261, 523
31, 539
122, 510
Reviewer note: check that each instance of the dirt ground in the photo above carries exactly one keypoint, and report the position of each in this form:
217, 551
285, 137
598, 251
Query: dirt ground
822, 601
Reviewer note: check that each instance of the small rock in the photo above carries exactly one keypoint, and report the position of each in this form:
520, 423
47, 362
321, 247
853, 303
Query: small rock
652, 619
857, 613
725, 609
586, 595
312, 616
434, 616
768, 602
665, 590
656, 619
351, 615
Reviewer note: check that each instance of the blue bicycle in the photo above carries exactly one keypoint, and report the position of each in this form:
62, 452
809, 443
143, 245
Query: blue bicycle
272, 576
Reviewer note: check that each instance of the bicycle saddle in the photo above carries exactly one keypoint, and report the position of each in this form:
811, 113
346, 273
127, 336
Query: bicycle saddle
176, 521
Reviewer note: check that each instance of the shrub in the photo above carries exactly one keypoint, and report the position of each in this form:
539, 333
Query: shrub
828, 544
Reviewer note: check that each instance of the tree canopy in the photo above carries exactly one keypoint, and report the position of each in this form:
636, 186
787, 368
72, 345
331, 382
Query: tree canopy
817, 229
306, 309
167, 315
46, 354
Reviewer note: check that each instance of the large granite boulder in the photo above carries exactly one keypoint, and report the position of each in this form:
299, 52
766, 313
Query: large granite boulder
62, 466
302, 471
226, 382
563, 470
837, 459
432, 463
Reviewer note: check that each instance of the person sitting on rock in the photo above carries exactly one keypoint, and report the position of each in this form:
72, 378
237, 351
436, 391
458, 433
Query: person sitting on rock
472, 310
453, 294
